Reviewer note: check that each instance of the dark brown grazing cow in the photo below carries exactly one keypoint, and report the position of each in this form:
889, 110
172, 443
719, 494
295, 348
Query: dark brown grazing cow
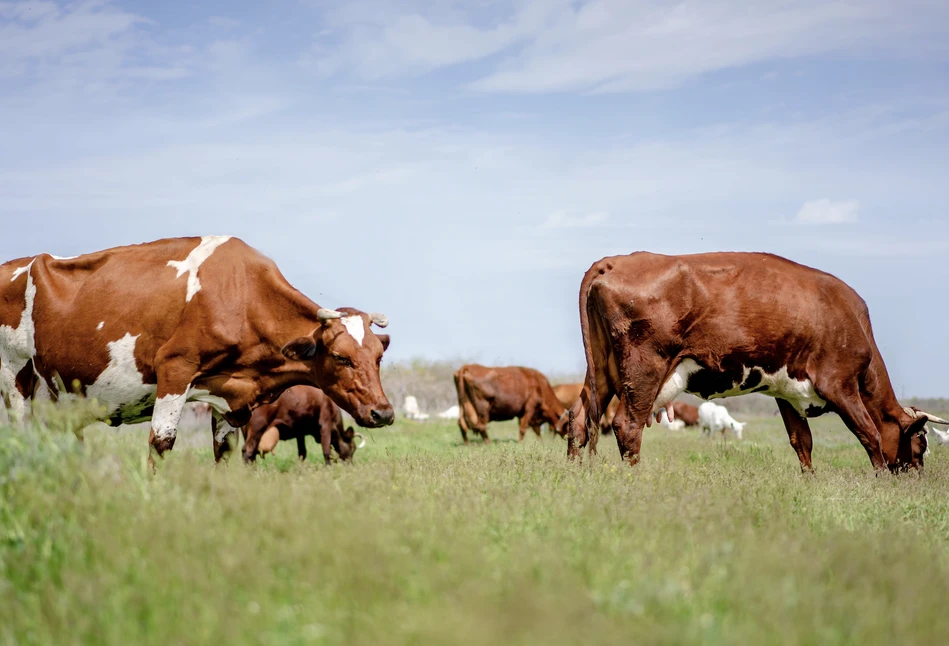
569, 393
300, 411
146, 328
499, 394
724, 324
688, 413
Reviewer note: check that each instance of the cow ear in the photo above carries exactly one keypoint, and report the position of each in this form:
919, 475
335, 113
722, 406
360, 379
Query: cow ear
385, 341
916, 426
300, 349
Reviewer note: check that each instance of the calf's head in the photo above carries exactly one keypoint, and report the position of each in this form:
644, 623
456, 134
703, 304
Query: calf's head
346, 443
342, 356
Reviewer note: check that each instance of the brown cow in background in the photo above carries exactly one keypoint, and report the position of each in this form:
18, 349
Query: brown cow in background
688, 413
503, 393
300, 411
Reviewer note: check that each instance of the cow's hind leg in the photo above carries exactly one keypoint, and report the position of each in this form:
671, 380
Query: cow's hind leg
640, 375
799, 432
463, 426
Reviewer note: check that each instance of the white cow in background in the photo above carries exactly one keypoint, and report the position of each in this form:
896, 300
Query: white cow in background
714, 418
452, 413
412, 411
942, 437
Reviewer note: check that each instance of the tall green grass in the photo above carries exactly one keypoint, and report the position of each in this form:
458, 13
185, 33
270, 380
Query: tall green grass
425, 541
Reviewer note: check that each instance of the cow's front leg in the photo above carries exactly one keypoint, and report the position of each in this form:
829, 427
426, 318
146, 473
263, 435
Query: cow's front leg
174, 382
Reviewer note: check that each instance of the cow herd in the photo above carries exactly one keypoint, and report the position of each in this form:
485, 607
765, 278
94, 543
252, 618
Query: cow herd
145, 329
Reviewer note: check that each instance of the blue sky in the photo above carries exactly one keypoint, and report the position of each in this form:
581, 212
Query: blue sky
459, 165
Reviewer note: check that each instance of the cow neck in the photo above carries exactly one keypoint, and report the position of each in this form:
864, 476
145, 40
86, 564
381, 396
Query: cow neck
287, 315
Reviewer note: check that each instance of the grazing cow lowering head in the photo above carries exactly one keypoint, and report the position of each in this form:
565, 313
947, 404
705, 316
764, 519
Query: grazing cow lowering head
725, 324
344, 356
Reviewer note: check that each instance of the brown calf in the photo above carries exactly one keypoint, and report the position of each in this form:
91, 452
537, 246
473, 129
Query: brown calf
300, 411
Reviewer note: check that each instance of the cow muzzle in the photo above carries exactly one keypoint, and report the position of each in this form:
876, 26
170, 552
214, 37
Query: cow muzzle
382, 416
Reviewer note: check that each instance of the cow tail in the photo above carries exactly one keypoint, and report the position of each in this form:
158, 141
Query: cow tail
593, 410
464, 402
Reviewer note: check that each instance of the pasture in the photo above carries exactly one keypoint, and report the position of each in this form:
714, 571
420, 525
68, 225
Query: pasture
424, 541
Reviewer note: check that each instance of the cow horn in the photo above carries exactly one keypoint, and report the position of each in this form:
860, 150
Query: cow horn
912, 412
362, 443
379, 319
324, 314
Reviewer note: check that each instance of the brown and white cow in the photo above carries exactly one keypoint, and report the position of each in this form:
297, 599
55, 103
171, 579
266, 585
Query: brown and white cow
724, 324
144, 329
499, 394
299, 412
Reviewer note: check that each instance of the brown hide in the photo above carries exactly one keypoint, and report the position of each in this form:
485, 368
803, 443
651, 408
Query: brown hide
499, 394
175, 321
299, 412
737, 320
688, 413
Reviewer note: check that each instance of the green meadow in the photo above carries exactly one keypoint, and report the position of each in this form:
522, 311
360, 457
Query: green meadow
425, 541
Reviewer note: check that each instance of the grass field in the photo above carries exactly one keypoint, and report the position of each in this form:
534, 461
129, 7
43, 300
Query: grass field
425, 541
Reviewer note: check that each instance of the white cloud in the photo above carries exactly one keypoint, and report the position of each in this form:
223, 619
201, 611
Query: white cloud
562, 220
614, 45
826, 211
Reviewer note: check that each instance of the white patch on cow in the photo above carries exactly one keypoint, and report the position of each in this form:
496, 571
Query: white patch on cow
17, 347
800, 393
62, 257
120, 386
193, 262
101, 325
355, 326
19, 271
676, 383
167, 414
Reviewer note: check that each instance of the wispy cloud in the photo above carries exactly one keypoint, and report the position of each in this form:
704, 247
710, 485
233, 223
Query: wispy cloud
562, 220
613, 45
826, 211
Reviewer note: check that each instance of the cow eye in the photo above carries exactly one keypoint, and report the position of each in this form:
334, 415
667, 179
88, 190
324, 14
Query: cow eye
343, 360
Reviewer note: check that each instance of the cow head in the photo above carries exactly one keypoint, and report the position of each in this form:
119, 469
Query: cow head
342, 356
913, 441
346, 443
737, 428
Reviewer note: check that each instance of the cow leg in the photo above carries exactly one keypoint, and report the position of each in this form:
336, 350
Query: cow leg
525, 421
536, 429
641, 376
301, 446
250, 445
463, 426
799, 432
852, 411
327, 443
221, 433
